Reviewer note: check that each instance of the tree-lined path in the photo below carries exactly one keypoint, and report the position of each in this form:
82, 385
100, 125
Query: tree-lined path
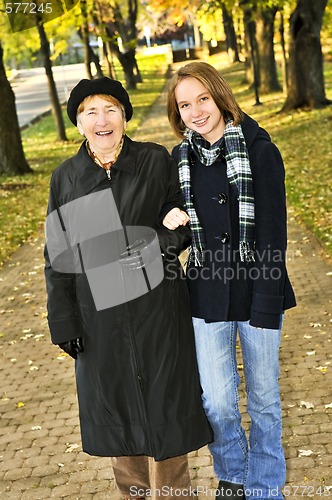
40, 450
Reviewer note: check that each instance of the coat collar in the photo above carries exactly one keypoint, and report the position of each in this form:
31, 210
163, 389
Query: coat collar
127, 158
251, 131
90, 174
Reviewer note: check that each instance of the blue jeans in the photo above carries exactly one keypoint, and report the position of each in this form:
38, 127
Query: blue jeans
260, 464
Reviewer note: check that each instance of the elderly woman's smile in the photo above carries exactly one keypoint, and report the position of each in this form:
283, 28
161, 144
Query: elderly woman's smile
107, 132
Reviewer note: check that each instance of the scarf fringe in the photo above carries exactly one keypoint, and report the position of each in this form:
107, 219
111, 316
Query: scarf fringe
195, 256
247, 251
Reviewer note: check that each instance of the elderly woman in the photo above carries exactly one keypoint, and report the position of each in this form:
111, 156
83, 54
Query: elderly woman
117, 302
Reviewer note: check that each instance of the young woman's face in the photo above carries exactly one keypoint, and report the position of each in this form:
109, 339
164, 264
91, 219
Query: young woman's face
103, 124
198, 110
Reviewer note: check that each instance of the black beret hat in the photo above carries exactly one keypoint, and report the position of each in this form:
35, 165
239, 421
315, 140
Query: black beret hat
103, 85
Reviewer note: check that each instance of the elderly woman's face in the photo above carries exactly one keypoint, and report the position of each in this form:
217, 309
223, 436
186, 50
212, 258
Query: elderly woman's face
102, 123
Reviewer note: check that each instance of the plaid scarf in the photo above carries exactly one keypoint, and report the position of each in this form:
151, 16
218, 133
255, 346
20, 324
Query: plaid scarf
238, 173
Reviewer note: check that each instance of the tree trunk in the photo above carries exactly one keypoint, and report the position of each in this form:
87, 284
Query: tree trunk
284, 63
249, 73
56, 106
95, 60
12, 159
109, 61
111, 53
268, 75
129, 66
84, 35
124, 26
137, 72
251, 57
231, 42
127, 60
305, 70
100, 29
252, 60
197, 35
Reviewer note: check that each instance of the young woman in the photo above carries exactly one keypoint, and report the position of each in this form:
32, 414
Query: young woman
232, 178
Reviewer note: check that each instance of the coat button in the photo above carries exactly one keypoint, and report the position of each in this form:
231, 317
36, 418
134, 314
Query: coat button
222, 198
224, 237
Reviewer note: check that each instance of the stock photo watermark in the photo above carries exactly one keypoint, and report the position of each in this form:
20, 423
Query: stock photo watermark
25, 15
204, 491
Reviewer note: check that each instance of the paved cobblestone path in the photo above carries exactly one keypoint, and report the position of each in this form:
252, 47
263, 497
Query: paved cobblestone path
40, 449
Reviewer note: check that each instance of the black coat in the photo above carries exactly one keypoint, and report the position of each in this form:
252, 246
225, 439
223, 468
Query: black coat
226, 289
137, 379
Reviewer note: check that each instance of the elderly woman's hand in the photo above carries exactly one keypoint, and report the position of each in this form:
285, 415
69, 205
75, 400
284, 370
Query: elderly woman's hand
175, 218
73, 347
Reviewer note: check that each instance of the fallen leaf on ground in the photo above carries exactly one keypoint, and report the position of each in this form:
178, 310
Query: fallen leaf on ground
307, 404
71, 448
26, 336
305, 453
39, 336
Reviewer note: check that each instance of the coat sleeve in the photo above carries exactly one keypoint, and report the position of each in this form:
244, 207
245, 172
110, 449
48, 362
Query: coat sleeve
62, 312
172, 241
271, 239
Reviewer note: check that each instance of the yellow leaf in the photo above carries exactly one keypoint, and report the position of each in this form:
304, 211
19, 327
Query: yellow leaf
322, 369
20, 404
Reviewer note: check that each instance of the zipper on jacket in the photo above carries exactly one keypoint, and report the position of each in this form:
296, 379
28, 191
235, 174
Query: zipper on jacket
137, 367
141, 387
108, 172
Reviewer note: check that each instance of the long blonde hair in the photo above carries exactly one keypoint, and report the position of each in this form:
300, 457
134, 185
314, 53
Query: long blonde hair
219, 89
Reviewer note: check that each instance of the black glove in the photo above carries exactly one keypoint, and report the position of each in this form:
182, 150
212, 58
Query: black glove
72, 347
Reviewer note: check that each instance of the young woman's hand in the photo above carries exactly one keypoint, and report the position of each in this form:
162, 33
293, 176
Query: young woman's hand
175, 218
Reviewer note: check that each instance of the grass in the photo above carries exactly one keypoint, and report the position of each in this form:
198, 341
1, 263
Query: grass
23, 199
304, 139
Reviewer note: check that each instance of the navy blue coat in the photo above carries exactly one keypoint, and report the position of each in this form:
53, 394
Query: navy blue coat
226, 289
